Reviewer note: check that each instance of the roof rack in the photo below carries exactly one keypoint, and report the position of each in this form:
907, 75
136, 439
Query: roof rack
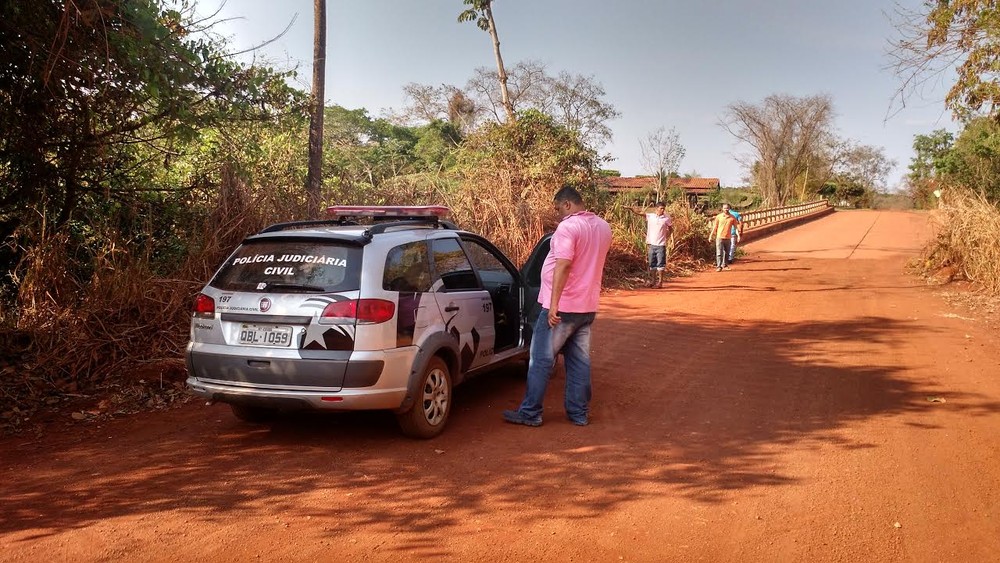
340, 222
431, 222
384, 218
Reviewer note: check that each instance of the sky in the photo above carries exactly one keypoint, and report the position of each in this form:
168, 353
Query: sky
663, 63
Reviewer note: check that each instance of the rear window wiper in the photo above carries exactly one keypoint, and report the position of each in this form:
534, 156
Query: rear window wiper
295, 287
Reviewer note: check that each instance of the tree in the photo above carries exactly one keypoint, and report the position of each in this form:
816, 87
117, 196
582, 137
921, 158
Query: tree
91, 91
661, 157
577, 102
970, 160
524, 85
866, 164
574, 101
437, 144
461, 111
508, 173
931, 163
856, 172
976, 157
365, 152
963, 35
784, 133
314, 182
481, 12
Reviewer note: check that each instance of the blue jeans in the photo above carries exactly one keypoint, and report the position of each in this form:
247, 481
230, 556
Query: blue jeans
721, 252
571, 337
732, 248
657, 256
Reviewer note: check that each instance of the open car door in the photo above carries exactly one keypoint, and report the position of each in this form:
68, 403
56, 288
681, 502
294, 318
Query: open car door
531, 273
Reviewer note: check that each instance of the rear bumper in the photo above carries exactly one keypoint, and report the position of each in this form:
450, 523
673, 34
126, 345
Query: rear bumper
345, 399
345, 381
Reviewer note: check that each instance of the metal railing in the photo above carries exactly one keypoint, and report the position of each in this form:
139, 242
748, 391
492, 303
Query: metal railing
762, 217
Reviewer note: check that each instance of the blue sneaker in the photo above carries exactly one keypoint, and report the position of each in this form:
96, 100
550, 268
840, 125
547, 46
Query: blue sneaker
515, 417
579, 421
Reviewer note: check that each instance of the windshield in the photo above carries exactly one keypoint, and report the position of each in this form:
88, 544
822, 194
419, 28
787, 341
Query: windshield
283, 266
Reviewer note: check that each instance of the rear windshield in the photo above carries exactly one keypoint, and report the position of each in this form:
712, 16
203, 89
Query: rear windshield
291, 267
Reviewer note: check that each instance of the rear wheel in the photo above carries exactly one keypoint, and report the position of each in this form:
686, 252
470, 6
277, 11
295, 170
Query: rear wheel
433, 402
255, 415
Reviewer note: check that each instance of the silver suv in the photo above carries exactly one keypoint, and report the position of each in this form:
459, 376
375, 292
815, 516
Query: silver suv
335, 315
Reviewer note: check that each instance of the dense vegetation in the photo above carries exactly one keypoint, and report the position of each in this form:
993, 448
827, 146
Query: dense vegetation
957, 174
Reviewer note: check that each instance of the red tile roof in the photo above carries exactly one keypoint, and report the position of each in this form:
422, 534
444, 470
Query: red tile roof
691, 185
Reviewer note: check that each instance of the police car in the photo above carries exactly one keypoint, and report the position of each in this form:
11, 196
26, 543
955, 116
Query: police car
375, 308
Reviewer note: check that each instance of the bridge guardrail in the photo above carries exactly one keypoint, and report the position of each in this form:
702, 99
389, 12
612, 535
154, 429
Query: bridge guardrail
764, 221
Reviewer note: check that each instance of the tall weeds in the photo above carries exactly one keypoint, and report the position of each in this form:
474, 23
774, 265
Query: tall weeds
510, 214
685, 247
966, 238
92, 323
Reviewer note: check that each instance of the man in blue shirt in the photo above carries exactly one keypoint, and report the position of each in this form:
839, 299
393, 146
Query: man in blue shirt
733, 235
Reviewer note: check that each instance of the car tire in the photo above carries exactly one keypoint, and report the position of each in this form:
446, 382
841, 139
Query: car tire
432, 404
255, 415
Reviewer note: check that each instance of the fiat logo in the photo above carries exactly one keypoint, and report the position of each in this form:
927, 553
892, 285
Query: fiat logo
265, 304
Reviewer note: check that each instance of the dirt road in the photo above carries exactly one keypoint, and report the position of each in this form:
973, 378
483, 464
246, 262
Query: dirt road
812, 404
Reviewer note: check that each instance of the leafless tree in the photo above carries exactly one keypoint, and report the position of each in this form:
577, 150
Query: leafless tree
314, 181
426, 103
784, 133
525, 81
577, 102
574, 101
661, 156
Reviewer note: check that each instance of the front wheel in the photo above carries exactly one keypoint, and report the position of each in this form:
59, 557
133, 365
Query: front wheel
429, 413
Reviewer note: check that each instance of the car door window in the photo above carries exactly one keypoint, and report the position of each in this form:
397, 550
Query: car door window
492, 271
407, 269
452, 266
502, 284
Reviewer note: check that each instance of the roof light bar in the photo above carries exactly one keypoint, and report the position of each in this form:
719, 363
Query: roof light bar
438, 211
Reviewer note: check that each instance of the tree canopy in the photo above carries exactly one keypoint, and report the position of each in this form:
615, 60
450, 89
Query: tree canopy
574, 101
784, 132
85, 86
959, 35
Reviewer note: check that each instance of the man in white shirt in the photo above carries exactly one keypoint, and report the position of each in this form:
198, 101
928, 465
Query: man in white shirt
658, 228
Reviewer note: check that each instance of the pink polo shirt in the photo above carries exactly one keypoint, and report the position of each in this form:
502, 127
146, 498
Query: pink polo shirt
584, 239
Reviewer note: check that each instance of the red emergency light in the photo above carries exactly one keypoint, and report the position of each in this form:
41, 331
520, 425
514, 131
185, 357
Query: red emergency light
388, 211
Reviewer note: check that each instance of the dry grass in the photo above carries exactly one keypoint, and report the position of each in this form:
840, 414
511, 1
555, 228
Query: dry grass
499, 205
627, 262
81, 334
966, 241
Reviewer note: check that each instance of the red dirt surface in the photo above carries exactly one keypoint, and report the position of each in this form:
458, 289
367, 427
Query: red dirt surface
814, 403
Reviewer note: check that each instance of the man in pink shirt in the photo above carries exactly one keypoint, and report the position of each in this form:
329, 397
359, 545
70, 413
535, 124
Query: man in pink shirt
571, 287
658, 228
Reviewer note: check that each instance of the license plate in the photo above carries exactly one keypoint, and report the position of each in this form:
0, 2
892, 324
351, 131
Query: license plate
266, 335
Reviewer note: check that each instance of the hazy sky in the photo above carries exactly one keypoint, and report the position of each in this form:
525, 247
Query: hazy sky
669, 63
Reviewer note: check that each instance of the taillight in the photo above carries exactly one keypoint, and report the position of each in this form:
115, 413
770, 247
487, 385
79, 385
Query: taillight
204, 306
362, 311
